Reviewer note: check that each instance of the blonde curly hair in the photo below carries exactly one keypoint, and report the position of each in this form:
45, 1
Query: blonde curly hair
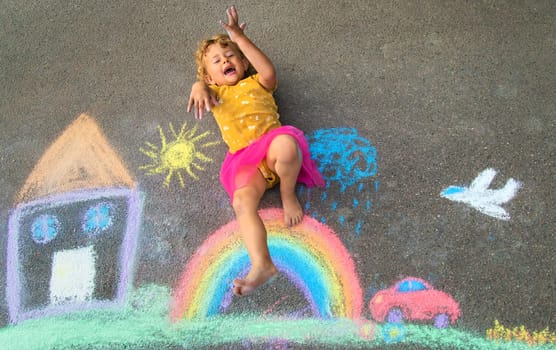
224, 41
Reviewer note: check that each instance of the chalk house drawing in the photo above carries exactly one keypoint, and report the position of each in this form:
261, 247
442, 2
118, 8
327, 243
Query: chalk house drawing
348, 162
72, 234
182, 154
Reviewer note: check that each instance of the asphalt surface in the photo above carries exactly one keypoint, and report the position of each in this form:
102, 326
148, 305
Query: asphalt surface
441, 90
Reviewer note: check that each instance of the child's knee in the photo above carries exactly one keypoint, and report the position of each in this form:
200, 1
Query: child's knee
245, 199
287, 149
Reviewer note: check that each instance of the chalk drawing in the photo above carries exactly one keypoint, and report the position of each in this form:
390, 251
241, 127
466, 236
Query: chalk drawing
413, 299
71, 246
479, 196
348, 162
143, 324
73, 275
521, 334
73, 233
343, 155
310, 255
98, 218
393, 332
366, 329
45, 228
68, 163
182, 154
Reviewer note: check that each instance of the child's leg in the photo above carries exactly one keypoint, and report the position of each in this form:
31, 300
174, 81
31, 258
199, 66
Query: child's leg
283, 157
245, 204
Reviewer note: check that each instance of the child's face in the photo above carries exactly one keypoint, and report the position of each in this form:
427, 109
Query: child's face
224, 65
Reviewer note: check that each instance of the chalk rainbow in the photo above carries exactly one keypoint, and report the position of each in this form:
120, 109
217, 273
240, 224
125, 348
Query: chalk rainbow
310, 255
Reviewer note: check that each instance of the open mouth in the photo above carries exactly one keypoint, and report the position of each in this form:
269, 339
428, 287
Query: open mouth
229, 71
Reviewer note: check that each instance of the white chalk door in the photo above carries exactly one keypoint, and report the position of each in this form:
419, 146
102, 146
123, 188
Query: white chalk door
73, 276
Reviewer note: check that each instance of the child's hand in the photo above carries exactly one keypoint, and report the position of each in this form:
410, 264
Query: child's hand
257, 58
232, 27
202, 98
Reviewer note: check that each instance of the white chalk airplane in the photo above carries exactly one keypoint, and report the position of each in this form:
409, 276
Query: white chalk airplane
480, 197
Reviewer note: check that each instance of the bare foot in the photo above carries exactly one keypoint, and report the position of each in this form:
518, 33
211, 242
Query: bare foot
293, 214
254, 279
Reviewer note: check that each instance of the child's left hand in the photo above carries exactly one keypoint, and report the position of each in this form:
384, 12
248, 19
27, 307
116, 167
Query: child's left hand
232, 27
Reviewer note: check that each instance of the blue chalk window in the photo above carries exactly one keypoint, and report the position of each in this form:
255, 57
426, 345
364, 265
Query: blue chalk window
45, 228
411, 286
98, 218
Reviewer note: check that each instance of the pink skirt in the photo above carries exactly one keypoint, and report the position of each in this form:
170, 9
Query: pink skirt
239, 167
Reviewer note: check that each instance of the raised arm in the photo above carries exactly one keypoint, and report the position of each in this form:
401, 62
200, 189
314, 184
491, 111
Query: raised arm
262, 64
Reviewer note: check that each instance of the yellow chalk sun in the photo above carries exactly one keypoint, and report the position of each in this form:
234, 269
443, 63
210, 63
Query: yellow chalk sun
178, 156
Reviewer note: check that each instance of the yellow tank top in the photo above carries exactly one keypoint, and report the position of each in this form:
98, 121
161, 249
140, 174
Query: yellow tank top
246, 112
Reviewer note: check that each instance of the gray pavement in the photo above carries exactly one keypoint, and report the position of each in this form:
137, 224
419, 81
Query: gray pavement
441, 90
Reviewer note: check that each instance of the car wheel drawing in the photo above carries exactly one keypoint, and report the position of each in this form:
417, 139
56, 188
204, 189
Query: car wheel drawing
395, 315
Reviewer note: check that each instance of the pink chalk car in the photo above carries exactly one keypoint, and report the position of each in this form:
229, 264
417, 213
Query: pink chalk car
413, 299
